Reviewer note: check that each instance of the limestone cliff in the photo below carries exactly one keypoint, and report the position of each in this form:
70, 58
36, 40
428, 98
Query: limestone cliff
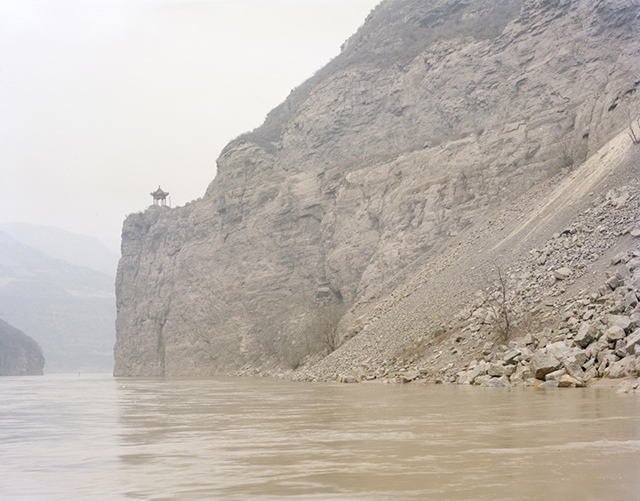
20, 355
365, 181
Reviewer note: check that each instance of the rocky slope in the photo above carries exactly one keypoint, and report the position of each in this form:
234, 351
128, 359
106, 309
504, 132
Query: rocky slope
20, 355
391, 186
572, 299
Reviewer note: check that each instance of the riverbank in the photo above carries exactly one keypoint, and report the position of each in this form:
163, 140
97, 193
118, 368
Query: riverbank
564, 315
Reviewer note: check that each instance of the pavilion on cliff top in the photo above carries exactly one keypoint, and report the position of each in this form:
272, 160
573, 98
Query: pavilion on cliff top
160, 197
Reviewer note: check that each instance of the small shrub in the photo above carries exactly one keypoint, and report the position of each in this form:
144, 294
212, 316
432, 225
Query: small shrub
565, 153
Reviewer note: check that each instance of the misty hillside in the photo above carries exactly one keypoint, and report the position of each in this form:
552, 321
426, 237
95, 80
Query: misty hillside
380, 200
74, 248
20, 355
67, 309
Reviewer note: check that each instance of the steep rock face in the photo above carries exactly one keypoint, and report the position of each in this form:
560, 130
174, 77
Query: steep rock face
20, 355
435, 115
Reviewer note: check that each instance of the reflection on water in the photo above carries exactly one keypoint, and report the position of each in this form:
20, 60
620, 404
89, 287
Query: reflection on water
95, 437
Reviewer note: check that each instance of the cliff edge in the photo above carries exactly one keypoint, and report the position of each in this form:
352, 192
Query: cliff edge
352, 205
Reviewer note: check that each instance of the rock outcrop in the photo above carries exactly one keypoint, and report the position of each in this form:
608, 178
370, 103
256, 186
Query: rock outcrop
389, 185
20, 355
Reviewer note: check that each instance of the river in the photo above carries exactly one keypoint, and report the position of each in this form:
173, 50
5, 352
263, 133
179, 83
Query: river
91, 437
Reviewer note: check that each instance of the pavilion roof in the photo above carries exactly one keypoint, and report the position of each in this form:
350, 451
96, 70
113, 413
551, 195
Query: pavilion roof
159, 193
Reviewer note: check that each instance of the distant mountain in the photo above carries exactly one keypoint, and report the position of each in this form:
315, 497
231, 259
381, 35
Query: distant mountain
69, 310
77, 249
20, 355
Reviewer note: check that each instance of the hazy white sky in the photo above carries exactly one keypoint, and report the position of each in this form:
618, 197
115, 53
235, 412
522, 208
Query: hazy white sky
101, 101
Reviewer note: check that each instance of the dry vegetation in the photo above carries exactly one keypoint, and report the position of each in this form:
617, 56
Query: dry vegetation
499, 305
291, 345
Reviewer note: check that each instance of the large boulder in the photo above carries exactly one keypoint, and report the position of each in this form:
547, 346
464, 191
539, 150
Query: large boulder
522, 373
542, 364
562, 273
614, 333
622, 368
568, 381
633, 340
630, 300
587, 333
623, 322
574, 369
560, 350
511, 355
496, 370
496, 383
555, 375
466, 377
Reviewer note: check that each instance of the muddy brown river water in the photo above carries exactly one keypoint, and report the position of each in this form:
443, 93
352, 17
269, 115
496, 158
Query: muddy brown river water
95, 437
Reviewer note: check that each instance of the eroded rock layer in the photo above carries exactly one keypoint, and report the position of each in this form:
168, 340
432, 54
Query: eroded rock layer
361, 186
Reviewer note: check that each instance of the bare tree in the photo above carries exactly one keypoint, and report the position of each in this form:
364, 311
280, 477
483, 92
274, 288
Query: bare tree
632, 112
294, 356
324, 329
500, 306
269, 338
635, 138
